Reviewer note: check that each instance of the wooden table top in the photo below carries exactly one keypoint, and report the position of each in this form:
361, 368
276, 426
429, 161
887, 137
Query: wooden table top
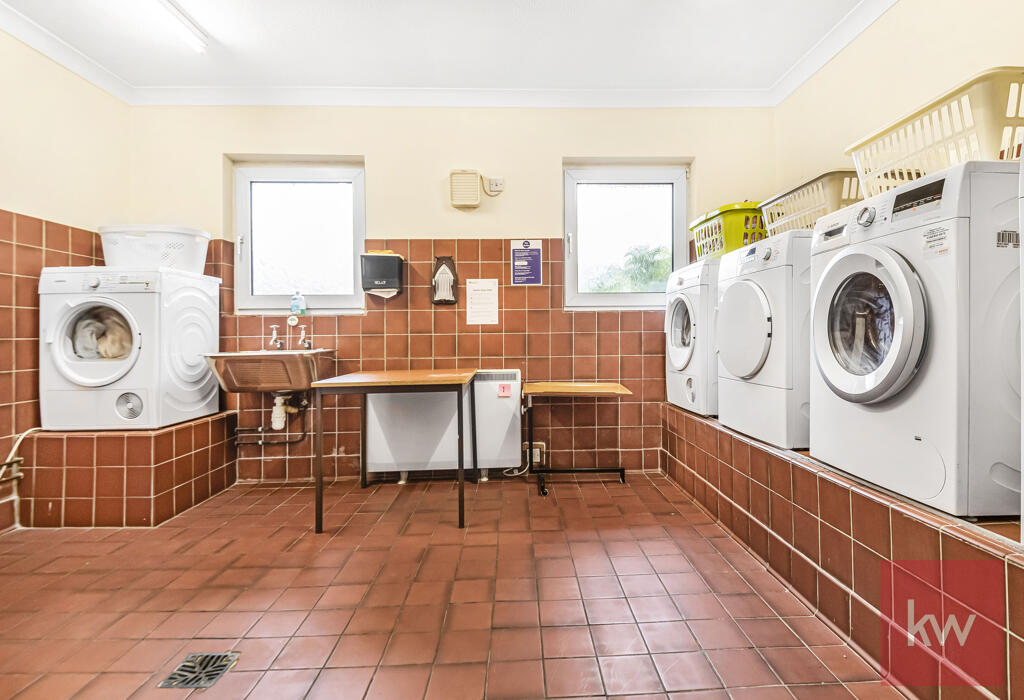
398, 377
575, 389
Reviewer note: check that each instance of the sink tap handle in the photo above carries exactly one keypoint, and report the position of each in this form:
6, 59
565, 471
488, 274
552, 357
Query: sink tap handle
274, 340
303, 340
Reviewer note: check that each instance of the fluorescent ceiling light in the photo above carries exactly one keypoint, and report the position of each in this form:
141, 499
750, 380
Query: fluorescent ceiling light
193, 35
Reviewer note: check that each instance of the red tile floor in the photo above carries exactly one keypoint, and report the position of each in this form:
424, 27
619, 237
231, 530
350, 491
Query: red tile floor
601, 589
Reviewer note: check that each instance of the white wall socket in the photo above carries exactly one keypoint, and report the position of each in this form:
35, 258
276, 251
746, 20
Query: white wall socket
538, 453
495, 184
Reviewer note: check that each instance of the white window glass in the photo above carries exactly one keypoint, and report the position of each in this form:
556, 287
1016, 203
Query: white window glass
625, 237
625, 232
298, 229
291, 220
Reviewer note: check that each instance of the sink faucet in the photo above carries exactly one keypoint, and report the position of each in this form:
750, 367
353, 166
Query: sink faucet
303, 340
274, 340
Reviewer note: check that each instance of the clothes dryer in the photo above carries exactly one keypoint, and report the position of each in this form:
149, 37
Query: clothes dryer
124, 348
762, 333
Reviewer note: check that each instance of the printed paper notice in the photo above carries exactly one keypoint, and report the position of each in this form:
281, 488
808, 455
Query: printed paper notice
526, 259
481, 302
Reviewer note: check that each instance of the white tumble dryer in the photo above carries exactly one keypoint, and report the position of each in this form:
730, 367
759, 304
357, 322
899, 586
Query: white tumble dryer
691, 357
123, 348
763, 326
916, 340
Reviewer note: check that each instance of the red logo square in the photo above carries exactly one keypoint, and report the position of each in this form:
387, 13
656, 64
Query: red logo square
953, 636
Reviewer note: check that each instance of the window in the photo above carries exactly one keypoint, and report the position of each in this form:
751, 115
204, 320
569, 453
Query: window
625, 232
299, 229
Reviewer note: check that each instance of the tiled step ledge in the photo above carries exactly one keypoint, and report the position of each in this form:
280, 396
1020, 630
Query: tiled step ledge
133, 478
828, 536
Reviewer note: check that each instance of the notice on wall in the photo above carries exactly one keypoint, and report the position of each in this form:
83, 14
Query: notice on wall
526, 260
481, 302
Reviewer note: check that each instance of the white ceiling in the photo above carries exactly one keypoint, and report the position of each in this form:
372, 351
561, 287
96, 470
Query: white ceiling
447, 52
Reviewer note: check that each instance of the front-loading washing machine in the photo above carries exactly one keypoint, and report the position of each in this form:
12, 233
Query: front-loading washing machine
691, 360
123, 348
762, 334
915, 331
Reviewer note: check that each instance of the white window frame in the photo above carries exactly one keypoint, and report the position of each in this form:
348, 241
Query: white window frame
622, 174
245, 300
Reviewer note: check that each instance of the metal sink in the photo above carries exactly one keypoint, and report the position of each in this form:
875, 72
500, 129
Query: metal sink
271, 370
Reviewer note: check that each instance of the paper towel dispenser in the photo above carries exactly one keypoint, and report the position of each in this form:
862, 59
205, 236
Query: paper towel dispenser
382, 272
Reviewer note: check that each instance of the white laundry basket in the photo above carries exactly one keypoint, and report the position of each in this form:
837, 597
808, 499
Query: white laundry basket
155, 246
803, 205
981, 119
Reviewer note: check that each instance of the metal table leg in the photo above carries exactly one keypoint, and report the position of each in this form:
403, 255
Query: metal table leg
362, 441
542, 488
472, 425
318, 460
462, 465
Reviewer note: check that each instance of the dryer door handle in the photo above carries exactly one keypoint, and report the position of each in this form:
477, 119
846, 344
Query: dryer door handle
51, 333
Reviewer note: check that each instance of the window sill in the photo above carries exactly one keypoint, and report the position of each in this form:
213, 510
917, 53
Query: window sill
614, 308
309, 312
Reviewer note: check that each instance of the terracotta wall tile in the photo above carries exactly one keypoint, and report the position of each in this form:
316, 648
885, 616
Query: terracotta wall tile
117, 478
534, 335
837, 563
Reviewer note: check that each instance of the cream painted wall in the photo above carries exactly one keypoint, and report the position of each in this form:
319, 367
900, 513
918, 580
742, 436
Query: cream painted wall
75, 154
177, 159
64, 144
916, 51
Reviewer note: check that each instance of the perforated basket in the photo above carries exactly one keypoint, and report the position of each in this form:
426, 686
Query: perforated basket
727, 228
981, 119
155, 246
801, 207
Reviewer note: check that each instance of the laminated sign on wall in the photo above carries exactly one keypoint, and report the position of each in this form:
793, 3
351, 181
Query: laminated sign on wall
526, 260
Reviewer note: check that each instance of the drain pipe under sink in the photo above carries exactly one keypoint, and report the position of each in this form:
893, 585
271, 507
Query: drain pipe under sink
285, 403
279, 414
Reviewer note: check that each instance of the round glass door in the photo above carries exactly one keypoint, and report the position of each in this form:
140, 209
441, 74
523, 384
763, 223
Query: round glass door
744, 329
95, 342
868, 323
861, 323
681, 332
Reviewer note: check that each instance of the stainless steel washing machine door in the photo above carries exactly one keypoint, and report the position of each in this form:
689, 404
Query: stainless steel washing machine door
680, 331
869, 323
94, 341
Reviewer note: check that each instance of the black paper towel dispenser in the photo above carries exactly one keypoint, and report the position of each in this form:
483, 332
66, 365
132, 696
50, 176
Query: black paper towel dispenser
382, 272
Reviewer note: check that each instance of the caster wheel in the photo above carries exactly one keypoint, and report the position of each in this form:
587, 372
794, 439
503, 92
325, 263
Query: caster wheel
622, 479
544, 492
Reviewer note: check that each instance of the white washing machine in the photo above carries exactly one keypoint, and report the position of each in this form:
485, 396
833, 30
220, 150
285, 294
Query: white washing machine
691, 361
916, 340
763, 327
122, 348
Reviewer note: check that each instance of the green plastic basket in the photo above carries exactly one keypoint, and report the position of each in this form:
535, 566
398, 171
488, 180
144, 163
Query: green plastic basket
727, 228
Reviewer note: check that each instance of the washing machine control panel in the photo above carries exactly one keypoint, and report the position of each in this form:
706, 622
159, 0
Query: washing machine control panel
760, 255
118, 282
866, 216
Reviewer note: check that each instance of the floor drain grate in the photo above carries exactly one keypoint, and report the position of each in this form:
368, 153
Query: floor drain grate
200, 670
